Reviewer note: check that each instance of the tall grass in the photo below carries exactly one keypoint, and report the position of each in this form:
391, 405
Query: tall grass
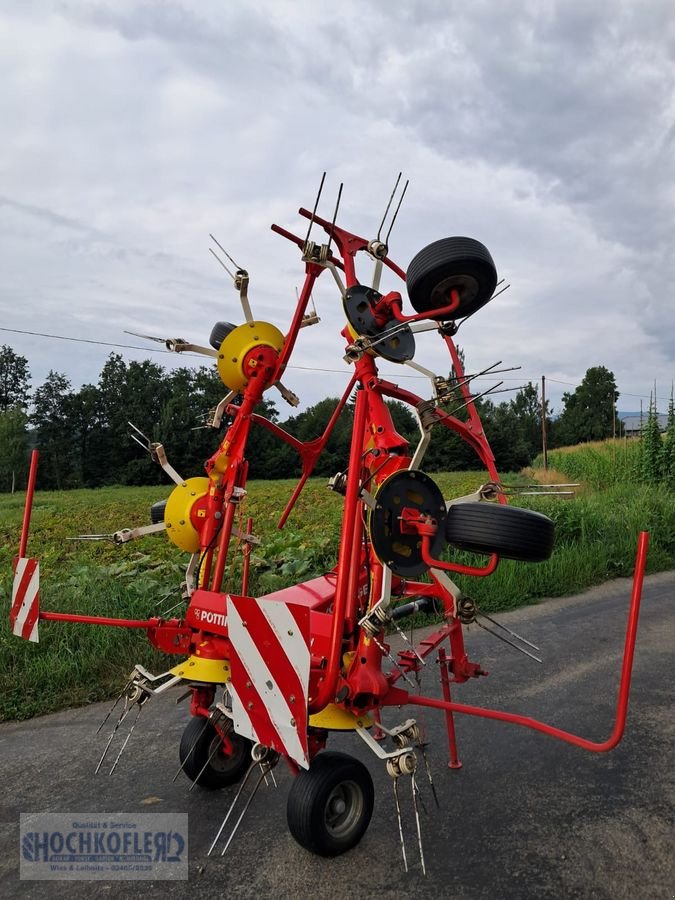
596, 539
597, 463
76, 664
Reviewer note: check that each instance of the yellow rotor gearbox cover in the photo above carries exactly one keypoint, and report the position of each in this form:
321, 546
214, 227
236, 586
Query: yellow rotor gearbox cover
194, 668
237, 344
178, 513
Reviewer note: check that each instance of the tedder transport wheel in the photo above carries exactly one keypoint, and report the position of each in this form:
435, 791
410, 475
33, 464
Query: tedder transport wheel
157, 511
219, 332
198, 749
330, 805
454, 262
510, 531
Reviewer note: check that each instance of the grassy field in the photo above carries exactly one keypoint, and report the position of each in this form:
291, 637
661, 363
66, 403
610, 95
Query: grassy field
76, 664
598, 463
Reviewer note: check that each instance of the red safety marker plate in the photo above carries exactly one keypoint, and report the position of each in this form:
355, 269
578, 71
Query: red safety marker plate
25, 609
269, 669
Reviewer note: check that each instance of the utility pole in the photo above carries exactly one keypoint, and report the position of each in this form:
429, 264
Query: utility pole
544, 447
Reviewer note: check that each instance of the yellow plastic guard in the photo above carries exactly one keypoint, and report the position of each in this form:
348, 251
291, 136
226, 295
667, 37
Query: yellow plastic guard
237, 344
336, 718
194, 668
179, 528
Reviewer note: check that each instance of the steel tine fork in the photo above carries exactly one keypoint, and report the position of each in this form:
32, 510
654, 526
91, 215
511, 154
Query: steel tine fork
232, 805
206, 765
508, 631
112, 708
191, 750
400, 825
126, 739
125, 712
415, 795
244, 810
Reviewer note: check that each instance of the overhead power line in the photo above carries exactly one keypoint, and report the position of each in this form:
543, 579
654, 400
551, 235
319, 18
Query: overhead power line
64, 337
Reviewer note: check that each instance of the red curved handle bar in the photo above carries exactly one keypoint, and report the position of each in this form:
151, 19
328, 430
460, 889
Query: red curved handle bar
624, 686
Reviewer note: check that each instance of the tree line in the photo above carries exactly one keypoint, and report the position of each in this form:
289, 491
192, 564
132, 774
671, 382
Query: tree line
83, 433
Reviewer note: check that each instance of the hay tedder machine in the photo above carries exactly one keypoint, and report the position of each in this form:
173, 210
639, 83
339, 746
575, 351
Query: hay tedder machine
275, 676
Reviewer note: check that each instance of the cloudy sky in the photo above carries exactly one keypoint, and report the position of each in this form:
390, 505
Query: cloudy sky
546, 130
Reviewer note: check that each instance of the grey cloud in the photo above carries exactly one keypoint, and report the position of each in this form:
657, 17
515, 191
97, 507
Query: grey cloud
542, 128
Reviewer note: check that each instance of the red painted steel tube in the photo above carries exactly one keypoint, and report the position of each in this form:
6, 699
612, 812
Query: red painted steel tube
313, 272
487, 569
624, 687
28, 508
474, 419
453, 761
430, 314
223, 545
99, 620
310, 451
247, 559
326, 689
348, 243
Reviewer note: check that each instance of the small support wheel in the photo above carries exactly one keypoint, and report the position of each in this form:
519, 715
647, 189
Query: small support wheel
209, 764
330, 805
157, 511
458, 263
510, 531
219, 332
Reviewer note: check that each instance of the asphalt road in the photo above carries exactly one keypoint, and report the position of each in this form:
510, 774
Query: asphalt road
526, 816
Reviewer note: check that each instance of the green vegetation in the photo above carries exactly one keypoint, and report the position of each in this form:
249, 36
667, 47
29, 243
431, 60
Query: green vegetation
75, 664
599, 464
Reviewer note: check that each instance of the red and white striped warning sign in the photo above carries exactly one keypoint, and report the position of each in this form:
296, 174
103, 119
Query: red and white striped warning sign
26, 599
269, 669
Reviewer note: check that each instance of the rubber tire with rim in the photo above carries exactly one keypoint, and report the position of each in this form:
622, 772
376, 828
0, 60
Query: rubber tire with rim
314, 810
459, 262
157, 511
219, 332
510, 531
222, 770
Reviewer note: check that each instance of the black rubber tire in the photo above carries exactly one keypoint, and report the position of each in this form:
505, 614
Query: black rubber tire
314, 810
157, 511
458, 262
196, 746
510, 531
219, 332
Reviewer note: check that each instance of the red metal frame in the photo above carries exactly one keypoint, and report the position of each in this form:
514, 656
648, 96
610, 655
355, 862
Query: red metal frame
338, 600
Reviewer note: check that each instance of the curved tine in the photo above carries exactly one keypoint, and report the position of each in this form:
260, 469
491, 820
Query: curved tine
126, 739
405, 188
508, 630
243, 812
405, 638
507, 641
428, 769
125, 712
238, 268
191, 750
147, 337
232, 805
205, 766
337, 206
388, 206
415, 794
216, 257
112, 708
400, 825
316, 204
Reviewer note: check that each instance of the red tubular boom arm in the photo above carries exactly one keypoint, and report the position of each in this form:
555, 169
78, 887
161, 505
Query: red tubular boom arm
28, 508
624, 686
